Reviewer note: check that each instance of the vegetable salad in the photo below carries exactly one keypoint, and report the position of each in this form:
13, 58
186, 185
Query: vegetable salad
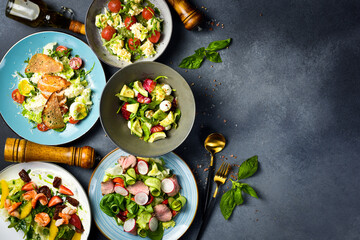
150, 108
142, 195
41, 206
130, 29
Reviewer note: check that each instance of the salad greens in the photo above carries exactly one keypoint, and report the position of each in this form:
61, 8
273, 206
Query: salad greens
150, 108
147, 202
233, 197
194, 61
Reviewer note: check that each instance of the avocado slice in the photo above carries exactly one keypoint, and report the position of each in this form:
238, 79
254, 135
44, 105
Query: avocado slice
136, 128
156, 136
127, 92
133, 108
158, 94
168, 120
159, 115
139, 87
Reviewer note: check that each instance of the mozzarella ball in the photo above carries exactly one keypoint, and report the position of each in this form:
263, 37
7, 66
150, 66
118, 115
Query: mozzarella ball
129, 125
165, 106
167, 89
149, 113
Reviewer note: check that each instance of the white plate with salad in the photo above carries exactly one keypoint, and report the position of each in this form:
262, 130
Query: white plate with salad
143, 198
42, 201
52, 89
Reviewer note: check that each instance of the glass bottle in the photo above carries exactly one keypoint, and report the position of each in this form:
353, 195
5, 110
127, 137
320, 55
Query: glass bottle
35, 13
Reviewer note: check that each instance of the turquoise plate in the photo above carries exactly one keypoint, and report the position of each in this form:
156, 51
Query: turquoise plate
13, 62
108, 226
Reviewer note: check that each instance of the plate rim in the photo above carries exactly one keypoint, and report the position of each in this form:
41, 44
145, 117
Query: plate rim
103, 73
192, 174
154, 58
67, 172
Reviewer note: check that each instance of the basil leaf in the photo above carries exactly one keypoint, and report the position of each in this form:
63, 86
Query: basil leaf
218, 45
238, 196
200, 51
213, 56
246, 188
248, 167
192, 62
227, 203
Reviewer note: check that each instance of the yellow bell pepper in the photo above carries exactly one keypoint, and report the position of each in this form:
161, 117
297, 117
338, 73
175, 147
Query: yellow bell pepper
26, 210
5, 192
77, 236
53, 230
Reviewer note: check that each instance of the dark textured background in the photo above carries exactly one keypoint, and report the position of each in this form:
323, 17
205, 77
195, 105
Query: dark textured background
289, 93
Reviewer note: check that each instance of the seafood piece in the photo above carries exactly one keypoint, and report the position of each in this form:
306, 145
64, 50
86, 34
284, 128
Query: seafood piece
43, 219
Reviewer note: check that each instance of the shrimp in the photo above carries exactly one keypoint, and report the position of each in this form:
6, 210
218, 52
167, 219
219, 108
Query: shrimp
42, 219
13, 207
65, 217
59, 222
29, 195
42, 198
69, 211
15, 213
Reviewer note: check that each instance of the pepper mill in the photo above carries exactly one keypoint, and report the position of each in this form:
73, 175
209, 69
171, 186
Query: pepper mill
17, 150
190, 16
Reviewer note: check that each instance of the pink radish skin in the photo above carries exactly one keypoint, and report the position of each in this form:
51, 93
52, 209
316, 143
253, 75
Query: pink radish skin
143, 167
121, 190
141, 198
167, 186
153, 224
130, 226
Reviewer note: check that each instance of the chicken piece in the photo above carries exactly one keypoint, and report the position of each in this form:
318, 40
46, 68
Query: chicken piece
42, 63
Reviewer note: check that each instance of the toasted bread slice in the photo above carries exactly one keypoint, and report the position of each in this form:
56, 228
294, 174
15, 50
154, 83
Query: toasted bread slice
49, 84
51, 114
42, 63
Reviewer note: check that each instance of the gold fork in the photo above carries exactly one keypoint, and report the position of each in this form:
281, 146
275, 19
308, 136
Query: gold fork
220, 179
220, 176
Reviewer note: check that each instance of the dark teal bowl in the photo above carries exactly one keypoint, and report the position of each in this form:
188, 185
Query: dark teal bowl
115, 125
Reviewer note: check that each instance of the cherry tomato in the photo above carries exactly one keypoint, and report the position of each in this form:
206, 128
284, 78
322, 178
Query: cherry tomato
174, 213
61, 49
108, 32
75, 63
114, 6
134, 43
129, 21
73, 121
17, 97
42, 127
155, 37
148, 13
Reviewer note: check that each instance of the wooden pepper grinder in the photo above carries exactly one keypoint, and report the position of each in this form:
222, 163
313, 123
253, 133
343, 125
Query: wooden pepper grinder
190, 16
17, 150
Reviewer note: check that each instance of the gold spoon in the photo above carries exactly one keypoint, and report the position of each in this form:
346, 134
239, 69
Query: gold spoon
214, 143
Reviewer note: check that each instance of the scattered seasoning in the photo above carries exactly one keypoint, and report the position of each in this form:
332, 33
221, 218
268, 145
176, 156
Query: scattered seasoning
261, 15
222, 156
225, 120
206, 169
214, 79
215, 85
257, 220
211, 66
217, 24
211, 29
192, 84
213, 90
186, 70
231, 155
212, 23
222, 25
199, 76
219, 83
205, 88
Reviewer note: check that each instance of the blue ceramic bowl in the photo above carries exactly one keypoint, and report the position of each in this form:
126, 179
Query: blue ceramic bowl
108, 226
13, 62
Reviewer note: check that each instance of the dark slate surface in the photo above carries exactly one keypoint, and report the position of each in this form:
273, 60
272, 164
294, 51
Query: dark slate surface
289, 93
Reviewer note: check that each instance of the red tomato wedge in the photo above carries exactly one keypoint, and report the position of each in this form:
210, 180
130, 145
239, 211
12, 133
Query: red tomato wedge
114, 6
75, 63
129, 21
73, 121
134, 43
17, 97
148, 13
108, 32
61, 49
155, 37
42, 127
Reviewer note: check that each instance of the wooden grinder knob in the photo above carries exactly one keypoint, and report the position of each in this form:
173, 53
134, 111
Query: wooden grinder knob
190, 16
17, 150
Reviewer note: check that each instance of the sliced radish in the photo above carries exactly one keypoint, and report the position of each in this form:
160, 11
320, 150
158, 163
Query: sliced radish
167, 186
153, 224
143, 167
141, 198
121, 190
130, 226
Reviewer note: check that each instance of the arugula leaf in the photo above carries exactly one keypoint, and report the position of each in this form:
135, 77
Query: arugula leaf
246, 188
227, 203
248, 167
192, 62
213, 56
218, 45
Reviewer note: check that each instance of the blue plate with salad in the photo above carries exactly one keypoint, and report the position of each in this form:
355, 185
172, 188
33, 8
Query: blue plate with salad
143, 198
51, 88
